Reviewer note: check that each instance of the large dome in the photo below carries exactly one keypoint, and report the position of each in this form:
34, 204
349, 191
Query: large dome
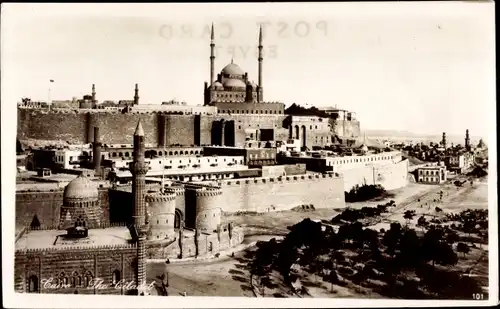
232, 69
235, 83
81, 188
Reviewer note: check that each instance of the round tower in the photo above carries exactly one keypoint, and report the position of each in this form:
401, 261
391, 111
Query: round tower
208, 208
180, 202
161, 209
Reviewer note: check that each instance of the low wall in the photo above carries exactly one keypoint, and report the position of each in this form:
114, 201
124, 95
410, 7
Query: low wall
208, 244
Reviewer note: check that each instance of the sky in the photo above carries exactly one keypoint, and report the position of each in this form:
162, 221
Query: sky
418, 67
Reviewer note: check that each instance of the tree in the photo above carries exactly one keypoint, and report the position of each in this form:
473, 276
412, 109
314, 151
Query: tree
409, 248
264, 281
333, 278
391, 238
422, 222
463, 248
435, 249
408, 215
452, 237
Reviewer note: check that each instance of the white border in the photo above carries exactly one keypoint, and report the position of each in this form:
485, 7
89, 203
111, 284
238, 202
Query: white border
200, 10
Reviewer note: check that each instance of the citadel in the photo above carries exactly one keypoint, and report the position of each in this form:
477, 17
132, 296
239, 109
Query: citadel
100, 207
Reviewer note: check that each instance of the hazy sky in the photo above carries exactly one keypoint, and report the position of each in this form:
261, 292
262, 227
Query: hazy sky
420, 67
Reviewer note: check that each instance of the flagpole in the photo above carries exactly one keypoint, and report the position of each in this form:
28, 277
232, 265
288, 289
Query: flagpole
49, 100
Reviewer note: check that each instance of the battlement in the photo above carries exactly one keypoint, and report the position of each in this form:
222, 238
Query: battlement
280, 179
76, 248
160, 197
177, 189
56, 227
119, 110
208, 191
34, 191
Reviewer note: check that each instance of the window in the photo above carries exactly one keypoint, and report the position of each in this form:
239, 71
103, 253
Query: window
115, 278
33, 284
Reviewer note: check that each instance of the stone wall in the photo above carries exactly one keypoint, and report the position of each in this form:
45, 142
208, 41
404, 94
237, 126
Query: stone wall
45, 205
390, 176
282, 193
347, 128
208, 244
76, 126
79, 264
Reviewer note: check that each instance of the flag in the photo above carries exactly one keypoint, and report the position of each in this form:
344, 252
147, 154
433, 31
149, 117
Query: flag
51, 80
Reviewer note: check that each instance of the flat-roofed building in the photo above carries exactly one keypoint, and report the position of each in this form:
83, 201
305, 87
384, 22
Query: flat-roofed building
432, 174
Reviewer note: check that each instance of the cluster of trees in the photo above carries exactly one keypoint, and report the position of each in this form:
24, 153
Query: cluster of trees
470, 221
364, 193
386, 256
298, 110
352, 215
478, 172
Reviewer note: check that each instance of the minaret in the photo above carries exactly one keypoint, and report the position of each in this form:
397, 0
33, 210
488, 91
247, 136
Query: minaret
138, 168
136, 94
260, 95
93, 95
467, 140
96, 152
212, 56
443, 141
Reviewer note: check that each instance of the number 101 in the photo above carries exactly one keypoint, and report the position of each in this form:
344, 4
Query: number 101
477, 296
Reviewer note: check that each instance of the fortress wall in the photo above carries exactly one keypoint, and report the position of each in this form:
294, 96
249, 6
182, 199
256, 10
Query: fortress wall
346, 128
46, 206
282, 193
180, 129
205, 130
390, 176
77, 126
251, 121
393, 176
118, 128
55, 125
100, 262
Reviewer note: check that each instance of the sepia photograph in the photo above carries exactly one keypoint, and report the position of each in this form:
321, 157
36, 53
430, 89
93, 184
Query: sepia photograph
249, 154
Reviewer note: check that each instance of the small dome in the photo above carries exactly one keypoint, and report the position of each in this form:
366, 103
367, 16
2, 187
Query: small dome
363, 148
217, 85
236, 83
81, 188
232, 69
254, 85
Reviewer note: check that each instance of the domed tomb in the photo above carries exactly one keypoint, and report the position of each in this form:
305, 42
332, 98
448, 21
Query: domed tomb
81, 208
